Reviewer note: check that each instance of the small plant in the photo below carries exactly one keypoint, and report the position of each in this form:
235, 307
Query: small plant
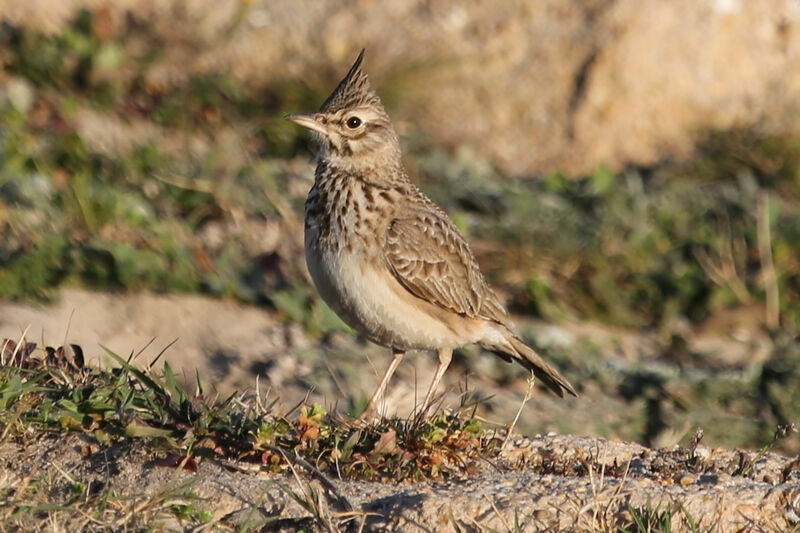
49, 391
55, 394
693, 461
746, 464
650, 520
657, 520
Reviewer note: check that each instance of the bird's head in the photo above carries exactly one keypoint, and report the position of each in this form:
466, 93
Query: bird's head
352, 127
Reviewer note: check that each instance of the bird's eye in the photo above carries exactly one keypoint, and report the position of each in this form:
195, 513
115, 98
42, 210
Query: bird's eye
353, 122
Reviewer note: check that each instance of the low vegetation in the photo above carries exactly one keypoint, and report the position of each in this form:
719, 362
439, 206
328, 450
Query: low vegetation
114, 176
46, 392
112, 180
51, 391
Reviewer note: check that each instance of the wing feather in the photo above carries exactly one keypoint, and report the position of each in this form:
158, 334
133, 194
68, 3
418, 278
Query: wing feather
431, 259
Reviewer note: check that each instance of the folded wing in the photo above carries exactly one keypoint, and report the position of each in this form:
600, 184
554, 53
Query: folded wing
431, 259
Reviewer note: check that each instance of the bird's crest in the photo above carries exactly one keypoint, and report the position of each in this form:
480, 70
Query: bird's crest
353, 91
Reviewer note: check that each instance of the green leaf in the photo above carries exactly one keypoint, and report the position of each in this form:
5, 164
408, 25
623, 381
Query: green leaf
135, 429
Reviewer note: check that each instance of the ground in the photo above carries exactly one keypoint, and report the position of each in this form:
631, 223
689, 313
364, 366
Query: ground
542, 481
538, 483
643, 234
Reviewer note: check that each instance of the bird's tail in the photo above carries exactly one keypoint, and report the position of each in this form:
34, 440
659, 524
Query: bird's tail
531, 360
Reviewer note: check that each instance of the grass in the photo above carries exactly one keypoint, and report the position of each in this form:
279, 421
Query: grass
197, 185
45, 392
174, 208
48, 393
189, 168
649, 519
641, 249
129, 403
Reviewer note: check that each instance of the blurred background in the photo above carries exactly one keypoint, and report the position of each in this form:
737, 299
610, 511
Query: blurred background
628, 173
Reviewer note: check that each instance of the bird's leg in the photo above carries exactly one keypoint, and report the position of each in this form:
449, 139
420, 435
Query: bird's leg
370, 411
445, 356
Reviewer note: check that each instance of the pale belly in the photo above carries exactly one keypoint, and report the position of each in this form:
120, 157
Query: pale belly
373, 303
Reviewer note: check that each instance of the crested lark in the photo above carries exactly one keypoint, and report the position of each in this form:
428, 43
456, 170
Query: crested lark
389, 261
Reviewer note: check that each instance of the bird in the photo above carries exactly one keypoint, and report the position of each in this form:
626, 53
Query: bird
385, 257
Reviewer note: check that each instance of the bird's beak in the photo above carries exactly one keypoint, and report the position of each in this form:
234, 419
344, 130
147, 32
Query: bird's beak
309, 121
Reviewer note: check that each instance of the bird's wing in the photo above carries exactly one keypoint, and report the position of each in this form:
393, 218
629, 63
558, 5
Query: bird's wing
431, 259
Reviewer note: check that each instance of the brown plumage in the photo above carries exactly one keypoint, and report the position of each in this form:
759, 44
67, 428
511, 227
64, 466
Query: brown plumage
387, 259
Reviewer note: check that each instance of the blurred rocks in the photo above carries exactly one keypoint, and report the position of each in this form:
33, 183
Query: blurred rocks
536, 87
